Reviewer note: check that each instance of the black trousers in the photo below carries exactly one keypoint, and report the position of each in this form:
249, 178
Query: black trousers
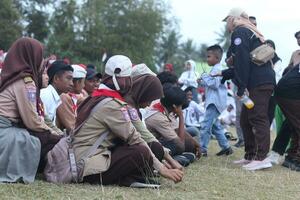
291, 110
283, 138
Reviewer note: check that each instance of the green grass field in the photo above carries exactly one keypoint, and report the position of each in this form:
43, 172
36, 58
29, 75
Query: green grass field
209, 178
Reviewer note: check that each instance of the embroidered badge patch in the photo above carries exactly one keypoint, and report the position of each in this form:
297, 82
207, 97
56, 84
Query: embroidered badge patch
133, 114
31, 94
237, 41
125, 114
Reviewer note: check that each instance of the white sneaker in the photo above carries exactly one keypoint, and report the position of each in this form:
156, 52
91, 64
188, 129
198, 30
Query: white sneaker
242, 162
275, 158
257, 165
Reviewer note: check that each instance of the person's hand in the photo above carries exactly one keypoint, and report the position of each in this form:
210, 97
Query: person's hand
219, 73
197, 149
229, 61
175, 164
177, 110
166, 164
175, 175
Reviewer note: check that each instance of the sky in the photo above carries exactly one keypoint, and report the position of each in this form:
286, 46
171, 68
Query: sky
277, 20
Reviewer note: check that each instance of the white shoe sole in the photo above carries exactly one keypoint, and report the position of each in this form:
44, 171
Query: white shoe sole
262, 166
237, 162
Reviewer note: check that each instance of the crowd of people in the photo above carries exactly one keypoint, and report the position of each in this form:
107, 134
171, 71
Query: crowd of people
130, 125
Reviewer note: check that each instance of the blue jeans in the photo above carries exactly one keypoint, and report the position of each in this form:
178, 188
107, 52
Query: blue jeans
211, 124
193, 131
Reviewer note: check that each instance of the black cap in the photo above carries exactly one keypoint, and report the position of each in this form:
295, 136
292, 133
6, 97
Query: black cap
91, 73
296, 34
56, 66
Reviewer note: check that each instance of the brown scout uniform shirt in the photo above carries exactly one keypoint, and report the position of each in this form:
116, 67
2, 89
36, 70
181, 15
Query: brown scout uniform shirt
114, 117
295, 59
18, 104
65, 114
163, 127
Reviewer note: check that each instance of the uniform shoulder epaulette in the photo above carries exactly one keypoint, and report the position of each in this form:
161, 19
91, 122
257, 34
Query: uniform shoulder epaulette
28, 79
123, 103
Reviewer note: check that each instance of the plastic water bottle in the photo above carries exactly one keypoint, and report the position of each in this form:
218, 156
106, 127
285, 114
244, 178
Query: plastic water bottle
247, 101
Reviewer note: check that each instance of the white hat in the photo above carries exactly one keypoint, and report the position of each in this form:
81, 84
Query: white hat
236, 12
79, 71
118, 66
141, 69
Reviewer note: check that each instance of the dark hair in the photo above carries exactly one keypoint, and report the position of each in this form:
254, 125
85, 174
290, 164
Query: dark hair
58, 74
189, 89
271, 43
252, 17
297, 33
173, 95
58, 68
91, 66
167, 77
217, 50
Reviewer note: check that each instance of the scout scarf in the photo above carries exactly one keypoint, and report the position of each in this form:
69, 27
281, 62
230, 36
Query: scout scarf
90, 102
159, 107
107, 93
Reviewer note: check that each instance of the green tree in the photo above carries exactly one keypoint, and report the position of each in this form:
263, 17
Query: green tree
223, 38
169, 46
62, 40
35, 17
133, 27
37, 27
10, 27
92, 30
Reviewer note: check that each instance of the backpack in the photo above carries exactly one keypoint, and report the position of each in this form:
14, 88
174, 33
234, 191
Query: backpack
61, 165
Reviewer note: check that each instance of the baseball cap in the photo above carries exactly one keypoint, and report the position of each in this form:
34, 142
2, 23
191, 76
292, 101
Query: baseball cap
236, 12
91, 73
119, 66
79, 71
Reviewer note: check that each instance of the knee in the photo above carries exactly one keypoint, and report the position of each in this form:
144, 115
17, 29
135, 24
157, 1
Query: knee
157, 150
141, 154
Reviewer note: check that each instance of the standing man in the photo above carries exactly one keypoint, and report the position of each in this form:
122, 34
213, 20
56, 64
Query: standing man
295, 59
256, 80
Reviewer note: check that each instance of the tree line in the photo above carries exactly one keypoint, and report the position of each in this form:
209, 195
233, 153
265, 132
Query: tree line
85, 30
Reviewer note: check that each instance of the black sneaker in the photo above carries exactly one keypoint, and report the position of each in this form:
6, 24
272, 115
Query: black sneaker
239, 144
226, 152
182, 160
204, 154
190, 156
290, 163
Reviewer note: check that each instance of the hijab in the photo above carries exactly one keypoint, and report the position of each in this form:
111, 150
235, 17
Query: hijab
24, 58
145, 88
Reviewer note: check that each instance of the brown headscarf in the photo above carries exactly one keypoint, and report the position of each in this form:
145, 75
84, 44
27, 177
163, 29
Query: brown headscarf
23, 59
145, 88
245, 22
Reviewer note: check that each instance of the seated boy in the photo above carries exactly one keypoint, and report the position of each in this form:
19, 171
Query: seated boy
67, 111
160, 120
193, 114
